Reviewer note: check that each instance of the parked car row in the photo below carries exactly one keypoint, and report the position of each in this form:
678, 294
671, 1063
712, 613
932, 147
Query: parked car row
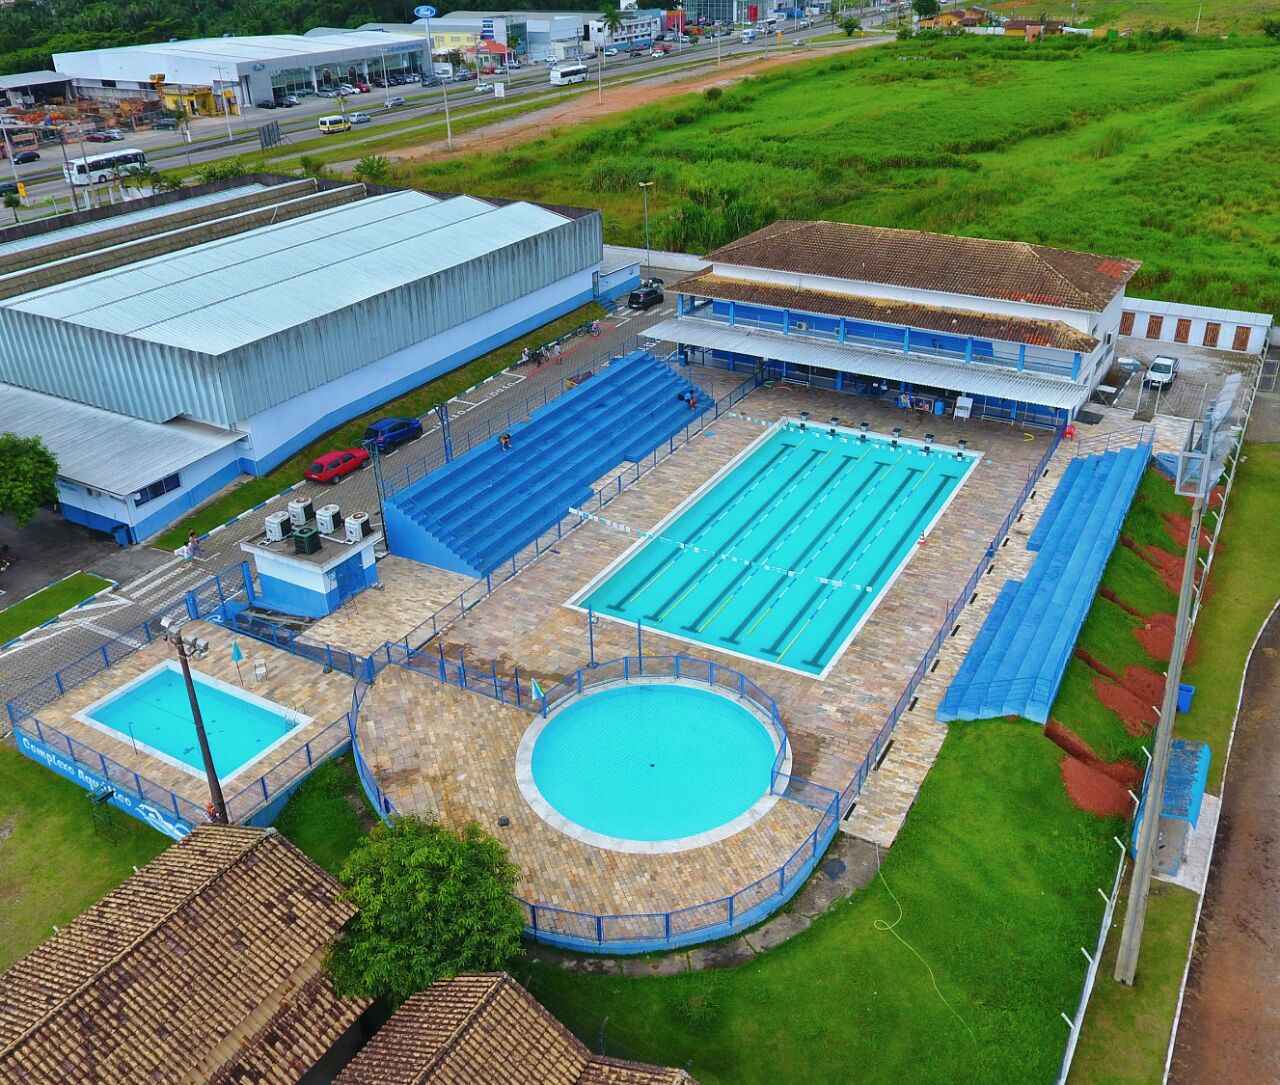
386, 434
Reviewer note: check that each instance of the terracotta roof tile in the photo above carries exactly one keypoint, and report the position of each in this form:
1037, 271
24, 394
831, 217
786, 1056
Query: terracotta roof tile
165, 971
973, 266
1041, 333
487, 1028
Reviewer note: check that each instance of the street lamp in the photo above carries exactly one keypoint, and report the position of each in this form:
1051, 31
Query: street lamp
187, 648
644, 192
426, 13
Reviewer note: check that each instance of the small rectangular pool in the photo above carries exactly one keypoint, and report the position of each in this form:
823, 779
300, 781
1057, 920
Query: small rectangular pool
785, 554
152, 714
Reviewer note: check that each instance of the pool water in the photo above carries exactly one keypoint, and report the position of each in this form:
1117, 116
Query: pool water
153, 713
653, 762
788, 553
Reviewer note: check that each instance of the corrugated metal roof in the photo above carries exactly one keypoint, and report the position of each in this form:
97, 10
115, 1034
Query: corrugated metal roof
31, 79
81, 229
107, 451
971, 378
246, 50
221, 295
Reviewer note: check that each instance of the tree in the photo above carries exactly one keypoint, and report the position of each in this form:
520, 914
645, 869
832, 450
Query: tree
850, 27
926, 9
611, 17
373, 168
1271, 28
28, 478
13, 201
432, 903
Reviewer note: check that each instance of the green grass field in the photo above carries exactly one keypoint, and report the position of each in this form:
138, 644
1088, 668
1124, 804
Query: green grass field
48, 603
1158, 151
54, 862
989, 890
1239, 17
248, 493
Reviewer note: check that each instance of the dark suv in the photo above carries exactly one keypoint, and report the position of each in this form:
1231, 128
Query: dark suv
645, 298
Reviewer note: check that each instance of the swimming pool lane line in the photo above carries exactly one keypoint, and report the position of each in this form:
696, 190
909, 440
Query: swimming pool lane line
778, 457
815, 461
821, 600
895, 556
773, 597
743, 579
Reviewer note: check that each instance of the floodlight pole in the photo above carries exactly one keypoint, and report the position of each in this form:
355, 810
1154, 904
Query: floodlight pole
218, 805
644, 191
1149, 831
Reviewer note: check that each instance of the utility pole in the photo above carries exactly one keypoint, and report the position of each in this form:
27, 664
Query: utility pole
644, 192
185, 649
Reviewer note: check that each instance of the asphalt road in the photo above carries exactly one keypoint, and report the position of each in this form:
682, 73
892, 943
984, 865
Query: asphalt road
209, 134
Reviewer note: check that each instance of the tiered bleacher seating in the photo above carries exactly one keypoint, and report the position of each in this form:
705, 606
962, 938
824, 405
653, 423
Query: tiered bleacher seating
482, 508
1017, 661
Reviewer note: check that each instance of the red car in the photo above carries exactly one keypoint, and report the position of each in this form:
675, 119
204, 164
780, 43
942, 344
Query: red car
331, 466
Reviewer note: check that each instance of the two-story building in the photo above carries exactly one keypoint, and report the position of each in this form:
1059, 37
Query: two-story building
1003, 329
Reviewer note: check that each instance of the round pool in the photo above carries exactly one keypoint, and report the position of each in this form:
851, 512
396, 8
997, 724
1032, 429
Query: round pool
649, 767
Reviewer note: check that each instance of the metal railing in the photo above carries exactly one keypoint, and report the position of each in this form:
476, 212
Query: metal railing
434, 624
1123, 438
646, 931
854, 788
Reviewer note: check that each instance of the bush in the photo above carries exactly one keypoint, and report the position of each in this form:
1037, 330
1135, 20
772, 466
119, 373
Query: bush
1271, 28
713, 94
432, 903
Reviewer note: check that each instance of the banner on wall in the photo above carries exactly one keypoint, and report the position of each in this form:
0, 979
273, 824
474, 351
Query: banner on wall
135, 806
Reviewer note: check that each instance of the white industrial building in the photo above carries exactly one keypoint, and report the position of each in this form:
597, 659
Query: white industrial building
163, 351
252, 69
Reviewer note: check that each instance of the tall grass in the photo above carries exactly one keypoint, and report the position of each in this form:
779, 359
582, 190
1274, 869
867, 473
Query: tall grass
1154, 149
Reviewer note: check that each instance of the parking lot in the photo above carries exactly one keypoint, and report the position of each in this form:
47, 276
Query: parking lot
1201, 372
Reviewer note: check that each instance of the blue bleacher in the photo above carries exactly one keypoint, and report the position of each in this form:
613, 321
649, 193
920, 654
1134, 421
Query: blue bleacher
1017, 661
482, 508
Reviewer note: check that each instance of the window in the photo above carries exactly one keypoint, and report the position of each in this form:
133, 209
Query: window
156, 489
1241, 339
1182, 333
1154, 324
1126, 323
1211, 333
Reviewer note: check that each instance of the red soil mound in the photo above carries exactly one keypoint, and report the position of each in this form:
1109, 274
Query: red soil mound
1180, 527
1125, 772
1169, 566
1144, 683
1156, 636
1100, 667
1135, 712
1093, 790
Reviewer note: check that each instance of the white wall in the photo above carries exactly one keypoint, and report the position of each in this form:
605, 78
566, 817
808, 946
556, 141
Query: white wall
1083, 321
1259, 324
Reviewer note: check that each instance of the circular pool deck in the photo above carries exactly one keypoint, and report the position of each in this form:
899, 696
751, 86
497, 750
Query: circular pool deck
441, 751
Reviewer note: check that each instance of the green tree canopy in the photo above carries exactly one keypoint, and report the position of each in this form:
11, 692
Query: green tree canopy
27, 481
925, 8
432, 903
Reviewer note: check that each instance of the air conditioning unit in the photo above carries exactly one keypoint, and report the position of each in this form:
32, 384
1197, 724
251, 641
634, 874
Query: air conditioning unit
799, 326
306, 540
300, 511
278, 526
328, 517
358, 526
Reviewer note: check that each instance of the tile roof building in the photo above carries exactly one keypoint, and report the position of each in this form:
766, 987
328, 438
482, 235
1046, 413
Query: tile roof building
206, 965
1009, 329
487, 1028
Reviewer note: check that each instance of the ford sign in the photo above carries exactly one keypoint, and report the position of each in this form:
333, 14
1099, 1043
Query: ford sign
425, 12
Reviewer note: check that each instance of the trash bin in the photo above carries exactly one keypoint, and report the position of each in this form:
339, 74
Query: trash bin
1185, 695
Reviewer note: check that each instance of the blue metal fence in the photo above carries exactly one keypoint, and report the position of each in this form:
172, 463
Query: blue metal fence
636, 932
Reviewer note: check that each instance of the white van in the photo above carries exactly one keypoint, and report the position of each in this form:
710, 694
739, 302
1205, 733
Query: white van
334, 124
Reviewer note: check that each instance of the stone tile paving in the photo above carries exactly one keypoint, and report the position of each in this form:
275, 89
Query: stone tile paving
442, 751
291, 681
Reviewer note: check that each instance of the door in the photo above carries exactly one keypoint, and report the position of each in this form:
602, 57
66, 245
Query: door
349, 578
1211, 333
1241, 339
1182, 333
1126, 323
1154, 326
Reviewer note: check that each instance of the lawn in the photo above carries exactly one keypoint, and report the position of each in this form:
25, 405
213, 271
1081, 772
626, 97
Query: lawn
252, 491
1240, 17
989, 890
328, 814
1064, 143
54, 862
48, 603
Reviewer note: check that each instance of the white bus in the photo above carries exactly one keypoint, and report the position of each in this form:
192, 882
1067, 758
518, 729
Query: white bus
564, 74
97, 168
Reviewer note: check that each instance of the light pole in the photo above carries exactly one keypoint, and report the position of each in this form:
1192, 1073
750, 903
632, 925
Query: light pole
426, 13
186, 648
386, 83
226, 109
644, 192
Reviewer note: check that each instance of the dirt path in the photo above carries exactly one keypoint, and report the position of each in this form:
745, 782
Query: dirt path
1230, 1028
617, 99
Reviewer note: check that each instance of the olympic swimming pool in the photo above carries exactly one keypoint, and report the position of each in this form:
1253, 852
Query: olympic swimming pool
786, 553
